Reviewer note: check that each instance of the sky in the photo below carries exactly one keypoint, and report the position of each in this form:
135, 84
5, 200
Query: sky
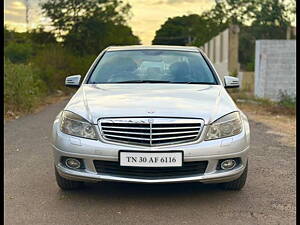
146, 15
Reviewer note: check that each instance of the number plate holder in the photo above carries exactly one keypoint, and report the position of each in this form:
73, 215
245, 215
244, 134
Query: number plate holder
151, 158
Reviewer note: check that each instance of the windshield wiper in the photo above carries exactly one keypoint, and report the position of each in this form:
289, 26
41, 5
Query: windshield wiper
193, 83
144, 81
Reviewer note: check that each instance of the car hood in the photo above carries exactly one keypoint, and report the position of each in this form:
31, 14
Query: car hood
95, 101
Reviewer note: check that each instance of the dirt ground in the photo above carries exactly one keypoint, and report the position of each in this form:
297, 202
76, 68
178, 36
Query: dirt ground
31, 195
282, 125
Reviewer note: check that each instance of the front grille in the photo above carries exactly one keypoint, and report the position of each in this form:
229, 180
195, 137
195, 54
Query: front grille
114, 168
150, 131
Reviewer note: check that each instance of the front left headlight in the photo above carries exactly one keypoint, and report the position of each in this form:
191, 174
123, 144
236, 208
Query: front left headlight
75, 125
226, 126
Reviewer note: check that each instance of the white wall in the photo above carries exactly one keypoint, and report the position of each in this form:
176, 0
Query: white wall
219, 46
275, 68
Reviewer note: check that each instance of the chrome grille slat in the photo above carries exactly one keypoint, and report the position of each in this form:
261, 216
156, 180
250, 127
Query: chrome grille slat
176, 132
150, 131
153, 134
175, 128
169, 138
125, 132
135, 138
153, 128
138, 128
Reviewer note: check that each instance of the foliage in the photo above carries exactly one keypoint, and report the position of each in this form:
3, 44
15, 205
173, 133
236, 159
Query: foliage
83, 28
63, 63
41, 37
286, 106
91, 36
66, 15
87, 27
263, 19
176, 31
18, 52
13, 36
20, 47
247, 37
22, 87
262, 12
287, 100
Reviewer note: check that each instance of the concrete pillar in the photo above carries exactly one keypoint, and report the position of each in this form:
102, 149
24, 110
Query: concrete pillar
214, 50
211, 50
206, 48
225, 47
217, 49
233, 53
221, 47
288, 33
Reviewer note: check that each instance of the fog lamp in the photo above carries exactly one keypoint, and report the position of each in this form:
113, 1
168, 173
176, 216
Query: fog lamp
228, 164
72, 163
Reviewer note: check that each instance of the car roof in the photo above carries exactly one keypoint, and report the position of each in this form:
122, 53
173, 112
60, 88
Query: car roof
153, 47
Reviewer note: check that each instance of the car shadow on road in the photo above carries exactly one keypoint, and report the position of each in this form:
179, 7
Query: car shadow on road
121, 192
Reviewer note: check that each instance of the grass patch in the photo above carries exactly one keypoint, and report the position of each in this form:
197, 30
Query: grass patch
23, 89
285, 106
28, 83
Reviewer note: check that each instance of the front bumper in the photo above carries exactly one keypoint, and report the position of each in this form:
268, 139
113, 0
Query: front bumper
205, 178
211, 175
211, 151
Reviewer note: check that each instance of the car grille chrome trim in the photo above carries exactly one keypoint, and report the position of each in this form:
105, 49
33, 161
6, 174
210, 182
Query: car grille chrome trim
150, 131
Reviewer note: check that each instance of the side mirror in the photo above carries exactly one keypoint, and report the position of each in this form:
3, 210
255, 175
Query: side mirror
231, 82
73, 81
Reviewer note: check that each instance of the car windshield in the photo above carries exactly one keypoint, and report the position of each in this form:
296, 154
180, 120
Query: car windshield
152, 66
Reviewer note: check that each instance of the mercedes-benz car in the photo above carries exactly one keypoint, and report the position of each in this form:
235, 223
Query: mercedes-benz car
151, 114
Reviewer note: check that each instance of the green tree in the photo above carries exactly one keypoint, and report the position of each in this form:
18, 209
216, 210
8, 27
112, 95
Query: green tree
258, 19
13, 36
267, 12
273, 13
66, 15
183, 30
41, 37
270, 22
93, 35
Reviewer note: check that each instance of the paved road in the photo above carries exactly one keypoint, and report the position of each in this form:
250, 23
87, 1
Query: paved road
32, 196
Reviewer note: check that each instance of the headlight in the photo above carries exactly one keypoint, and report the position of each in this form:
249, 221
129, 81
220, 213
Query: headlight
226, 126
75, 125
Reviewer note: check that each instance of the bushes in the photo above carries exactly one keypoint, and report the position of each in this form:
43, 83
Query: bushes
25, 85
55, 64
287, 100
18, 52
23, 88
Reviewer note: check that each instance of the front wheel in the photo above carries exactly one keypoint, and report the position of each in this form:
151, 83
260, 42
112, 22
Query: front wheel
66, 184
237, 184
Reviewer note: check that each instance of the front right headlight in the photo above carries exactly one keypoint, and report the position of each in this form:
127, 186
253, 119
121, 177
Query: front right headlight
226, 126
75, 125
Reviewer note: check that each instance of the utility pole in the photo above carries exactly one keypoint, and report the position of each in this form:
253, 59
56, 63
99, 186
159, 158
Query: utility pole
27, 5
189, 42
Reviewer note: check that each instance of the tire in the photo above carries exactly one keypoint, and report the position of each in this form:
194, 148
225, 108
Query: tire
66, 184
237, 184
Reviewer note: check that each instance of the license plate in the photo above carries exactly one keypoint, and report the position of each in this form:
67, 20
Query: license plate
151, 159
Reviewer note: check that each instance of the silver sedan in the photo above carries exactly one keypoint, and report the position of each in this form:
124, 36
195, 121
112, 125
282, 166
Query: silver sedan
151, 114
